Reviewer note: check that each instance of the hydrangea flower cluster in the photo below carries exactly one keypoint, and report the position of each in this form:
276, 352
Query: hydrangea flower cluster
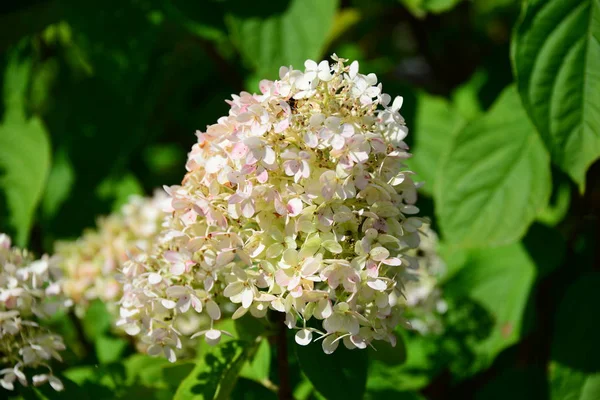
91, 263
298, 201
425, 304
29, 291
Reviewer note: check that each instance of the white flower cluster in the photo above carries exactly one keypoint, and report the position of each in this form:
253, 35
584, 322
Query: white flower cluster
422, 292
298, 202
91, 263
29, 291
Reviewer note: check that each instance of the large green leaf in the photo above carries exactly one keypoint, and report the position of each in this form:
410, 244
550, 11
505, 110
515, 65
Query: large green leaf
215, 373
435, 124
494, 179
24, 154
556, 56
259, 366
496, 282
287, 37
341, 375
575, 367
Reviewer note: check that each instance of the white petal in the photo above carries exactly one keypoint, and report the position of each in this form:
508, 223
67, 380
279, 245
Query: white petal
213, 310
247, 297
56, 383
154, 278
330, 344
213, 336
168, 304
303, 337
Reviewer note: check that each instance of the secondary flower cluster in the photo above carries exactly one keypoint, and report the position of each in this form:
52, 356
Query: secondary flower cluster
91, 263
29, 292
422, 292
298, 201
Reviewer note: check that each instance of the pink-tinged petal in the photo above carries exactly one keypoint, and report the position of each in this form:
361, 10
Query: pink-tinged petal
296, 292
264, 85
311, 266
291, 167
244, 117
196, 304
172, 256
252, 157
262, 176
282, 278
282, 125
294, 282
294, 207
248, 208
239, 151
177, 269
394, 261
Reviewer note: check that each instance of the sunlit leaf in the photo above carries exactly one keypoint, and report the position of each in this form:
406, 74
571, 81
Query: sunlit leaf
494, 179
24, 154
556, 56
215, 373
288, 36
493, 290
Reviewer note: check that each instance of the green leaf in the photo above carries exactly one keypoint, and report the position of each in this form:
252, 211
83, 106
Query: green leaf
494, 179
341, 375
556, 57
436, 122
575, 367
60, 182
109, 349
496, 282
297, 33
215, 373
387, 354
259, 367
97, 320
24, 154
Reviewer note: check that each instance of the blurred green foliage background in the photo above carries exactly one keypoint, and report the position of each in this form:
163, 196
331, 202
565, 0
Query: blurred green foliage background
100, 100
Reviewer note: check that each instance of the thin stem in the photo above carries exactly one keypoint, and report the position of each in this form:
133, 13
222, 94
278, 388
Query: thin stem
285, 390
